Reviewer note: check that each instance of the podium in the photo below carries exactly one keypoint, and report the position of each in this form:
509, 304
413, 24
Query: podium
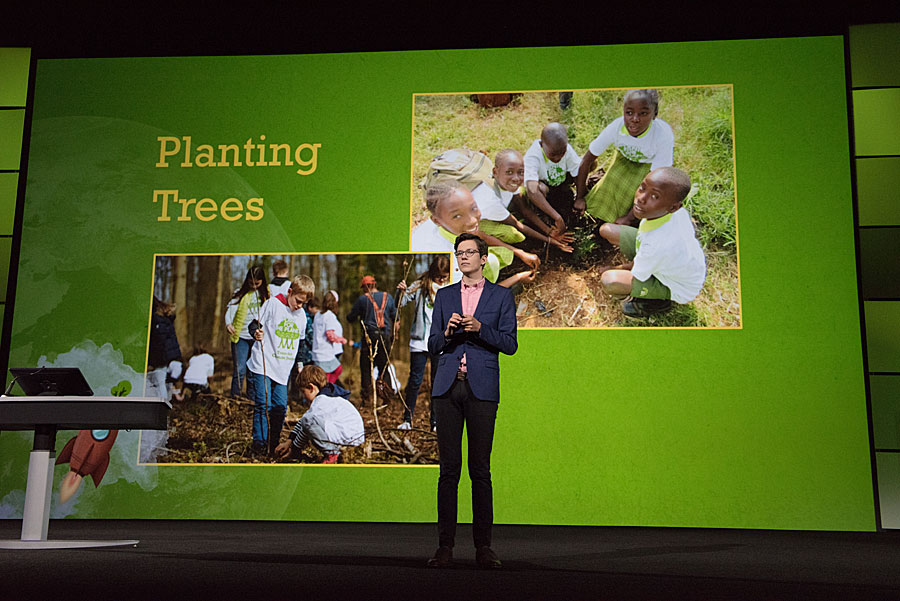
48, 414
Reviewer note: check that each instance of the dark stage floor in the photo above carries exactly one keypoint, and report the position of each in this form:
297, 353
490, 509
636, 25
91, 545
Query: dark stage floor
290, 560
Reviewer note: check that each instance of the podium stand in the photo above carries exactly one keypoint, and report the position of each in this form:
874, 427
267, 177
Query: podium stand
48, 414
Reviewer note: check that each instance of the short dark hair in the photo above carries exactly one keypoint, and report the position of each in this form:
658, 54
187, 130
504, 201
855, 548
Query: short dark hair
678, 179
479, 243
555, 133
651, 95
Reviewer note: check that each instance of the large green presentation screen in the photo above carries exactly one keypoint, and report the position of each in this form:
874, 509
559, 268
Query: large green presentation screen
155, 184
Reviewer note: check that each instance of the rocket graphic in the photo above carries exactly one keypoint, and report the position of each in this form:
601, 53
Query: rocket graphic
87, 453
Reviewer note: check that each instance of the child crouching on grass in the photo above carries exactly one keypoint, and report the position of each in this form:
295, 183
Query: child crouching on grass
281, 324
551, 166
666, 261
494, 199
330, 422
454, 211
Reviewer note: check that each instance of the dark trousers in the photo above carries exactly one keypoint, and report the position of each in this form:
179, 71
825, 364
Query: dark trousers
417, 363
380, 342
455, 408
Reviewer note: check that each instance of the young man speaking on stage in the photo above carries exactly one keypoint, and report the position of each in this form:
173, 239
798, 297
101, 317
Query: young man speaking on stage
473, 321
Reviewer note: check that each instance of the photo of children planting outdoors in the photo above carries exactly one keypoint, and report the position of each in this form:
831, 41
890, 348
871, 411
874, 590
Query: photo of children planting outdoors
293, 358
600, 208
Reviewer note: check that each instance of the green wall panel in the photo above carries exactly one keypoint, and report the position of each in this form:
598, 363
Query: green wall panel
5, 247
14, 63
876, 121
883, 335
11, 125
889, 488
878, 190
885, 395
9, 183
875, 55
879, 249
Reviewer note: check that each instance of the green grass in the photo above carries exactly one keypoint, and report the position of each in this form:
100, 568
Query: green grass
701, 119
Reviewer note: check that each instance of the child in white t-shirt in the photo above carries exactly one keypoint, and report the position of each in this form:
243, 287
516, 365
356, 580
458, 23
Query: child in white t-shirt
454, 211
280, 280
200, 369
281, 325
667, 263
642, 143
328, 339
551, 165
244, 306
495, 197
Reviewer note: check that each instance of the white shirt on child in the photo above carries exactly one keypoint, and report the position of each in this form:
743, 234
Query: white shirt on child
252, 312
539, 168
323, 350
427, 238
672, 253
341, 421
282, 288
200, 369
173, 371
654, 146
282, 331
492, 206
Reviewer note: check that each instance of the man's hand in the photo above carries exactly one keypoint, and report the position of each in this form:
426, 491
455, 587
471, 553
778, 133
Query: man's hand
470, 324
230, 329
452, 324
402, 285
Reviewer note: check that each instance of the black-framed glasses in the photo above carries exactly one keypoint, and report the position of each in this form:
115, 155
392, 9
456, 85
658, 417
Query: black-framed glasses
465, 253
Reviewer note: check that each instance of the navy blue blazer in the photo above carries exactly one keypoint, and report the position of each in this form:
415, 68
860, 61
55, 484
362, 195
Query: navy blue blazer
496, 311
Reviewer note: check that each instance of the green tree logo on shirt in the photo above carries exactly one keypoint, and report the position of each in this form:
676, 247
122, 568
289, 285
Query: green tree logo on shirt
287, 333
555, 174
634, 154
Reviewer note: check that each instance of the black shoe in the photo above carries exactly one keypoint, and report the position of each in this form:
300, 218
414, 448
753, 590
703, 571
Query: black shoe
645, 307
443, 558
259, 448
486, 559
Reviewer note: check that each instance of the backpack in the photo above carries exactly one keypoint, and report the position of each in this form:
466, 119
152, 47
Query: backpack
379, 311
465, 166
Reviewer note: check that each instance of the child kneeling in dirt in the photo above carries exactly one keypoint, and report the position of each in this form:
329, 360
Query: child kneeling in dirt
494, 199
667, 263
200, 369
454, 211
330, 422
551, 166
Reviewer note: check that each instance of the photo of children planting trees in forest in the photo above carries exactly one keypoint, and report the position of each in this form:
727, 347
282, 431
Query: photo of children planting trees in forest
601, 208
293, 358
